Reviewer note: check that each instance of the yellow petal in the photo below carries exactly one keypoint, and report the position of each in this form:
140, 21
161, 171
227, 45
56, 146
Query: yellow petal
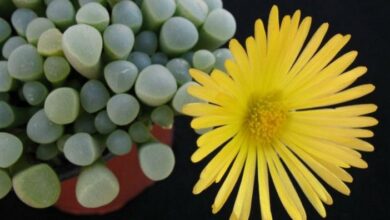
262, 174
243, 201
344, 96
339, 172
240, 56
202, 78
201, 109
283, 193
334, 69
210, 172
273, 27
345, 111
322, 172
311, 47
231, 180
212, 140
304, 184
288, 184
317, 186
294, 47
321, 59
210, 121
351, 122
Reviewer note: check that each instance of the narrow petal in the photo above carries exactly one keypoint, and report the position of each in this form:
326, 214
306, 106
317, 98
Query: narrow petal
210, 172
288, 184
344, 96
317, 186
210, 121
231, 180
262, 174
322, 172
345, 111
304, 184
243, 203
283, 193
311, 47
201, 109
212, 140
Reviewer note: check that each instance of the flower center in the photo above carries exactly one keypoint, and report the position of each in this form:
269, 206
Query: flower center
265, 118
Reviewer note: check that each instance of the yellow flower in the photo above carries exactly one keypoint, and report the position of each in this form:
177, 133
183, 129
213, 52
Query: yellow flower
278, 109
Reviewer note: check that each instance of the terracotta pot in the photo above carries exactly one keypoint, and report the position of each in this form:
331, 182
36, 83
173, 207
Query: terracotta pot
130, 176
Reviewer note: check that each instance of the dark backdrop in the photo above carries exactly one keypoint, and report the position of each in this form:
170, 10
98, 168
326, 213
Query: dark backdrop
368, 22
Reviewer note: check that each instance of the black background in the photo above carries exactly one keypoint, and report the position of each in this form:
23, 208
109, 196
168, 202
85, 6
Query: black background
369, 23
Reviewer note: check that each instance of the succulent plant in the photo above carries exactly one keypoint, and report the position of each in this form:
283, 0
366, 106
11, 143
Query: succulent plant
83, 79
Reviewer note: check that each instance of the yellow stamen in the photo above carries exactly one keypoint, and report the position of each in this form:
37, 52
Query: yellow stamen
265, 118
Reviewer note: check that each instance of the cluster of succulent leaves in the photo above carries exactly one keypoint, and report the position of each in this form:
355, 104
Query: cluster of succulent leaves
83, 79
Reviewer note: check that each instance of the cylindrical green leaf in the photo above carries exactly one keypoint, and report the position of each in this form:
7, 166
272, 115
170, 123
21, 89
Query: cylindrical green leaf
93, 14
219, 27
127, 13
103, 123
163, 116
122, 109
214, 4
118, 41
56, 69
11, 116
61, 12
159, 58
21, 18
50, 43
178, 35
96, 186
139, 132
5, 183
182, 97
41, 130
192, 10
221, 56
36, 27
6, 81
140, 60
5, 30
31, 4
37, 186
25, 63
204, 60
188, 57
157, 161
11, 149
120, 75
146, 42
7, 115
83, 2
81, 149
119, 142
47, 151
83, 45
34, 92
61, 142
156, 12
94, 96
62, 106
11, 44
155, 85
85, 123
179, 68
